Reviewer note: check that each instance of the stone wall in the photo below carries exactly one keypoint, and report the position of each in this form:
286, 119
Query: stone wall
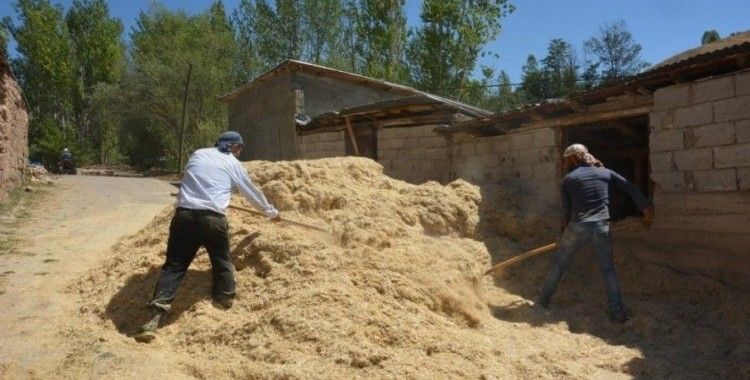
413, 154
700, 161
14, 124
320, 145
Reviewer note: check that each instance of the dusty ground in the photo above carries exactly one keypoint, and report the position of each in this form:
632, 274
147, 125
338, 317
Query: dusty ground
65, 233
395, 290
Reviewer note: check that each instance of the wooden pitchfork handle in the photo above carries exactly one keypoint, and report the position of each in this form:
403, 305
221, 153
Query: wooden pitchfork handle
301, 224
290, 221
544, 249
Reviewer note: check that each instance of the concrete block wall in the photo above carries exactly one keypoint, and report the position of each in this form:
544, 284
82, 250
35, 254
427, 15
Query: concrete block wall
528, 159
700, 159
525, 163
413, 154
700, 135
321, 145
14, 124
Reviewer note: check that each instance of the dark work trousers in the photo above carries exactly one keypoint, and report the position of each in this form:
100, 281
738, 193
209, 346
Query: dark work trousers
189, 230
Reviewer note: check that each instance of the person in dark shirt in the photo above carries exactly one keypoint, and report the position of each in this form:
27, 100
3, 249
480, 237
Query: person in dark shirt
585, 196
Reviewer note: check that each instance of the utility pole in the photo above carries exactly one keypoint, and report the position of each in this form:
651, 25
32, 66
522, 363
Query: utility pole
184, 110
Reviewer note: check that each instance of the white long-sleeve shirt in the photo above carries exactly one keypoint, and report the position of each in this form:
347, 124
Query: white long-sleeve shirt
209, 178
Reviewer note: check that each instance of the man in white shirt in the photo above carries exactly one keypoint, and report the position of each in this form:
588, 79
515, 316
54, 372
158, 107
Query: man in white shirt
200, 220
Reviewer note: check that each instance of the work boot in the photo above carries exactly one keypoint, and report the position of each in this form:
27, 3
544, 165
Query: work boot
620, 317
147, 333
224, 302
542, 302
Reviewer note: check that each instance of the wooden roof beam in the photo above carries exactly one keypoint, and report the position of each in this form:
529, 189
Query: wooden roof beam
577, 119
577, 105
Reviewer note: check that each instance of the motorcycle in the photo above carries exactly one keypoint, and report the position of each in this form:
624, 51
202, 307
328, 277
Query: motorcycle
67, 166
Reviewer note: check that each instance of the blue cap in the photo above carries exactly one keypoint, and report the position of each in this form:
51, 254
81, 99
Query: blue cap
230, 137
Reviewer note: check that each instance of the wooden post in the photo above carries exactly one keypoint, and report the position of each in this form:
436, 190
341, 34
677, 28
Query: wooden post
184, 109
351, 136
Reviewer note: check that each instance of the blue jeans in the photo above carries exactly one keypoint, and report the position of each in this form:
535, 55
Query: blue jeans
575, 236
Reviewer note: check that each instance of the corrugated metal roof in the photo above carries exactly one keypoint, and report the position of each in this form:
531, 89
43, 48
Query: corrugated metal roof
377, 109
710, 49
715, 51
417, 100
291, 64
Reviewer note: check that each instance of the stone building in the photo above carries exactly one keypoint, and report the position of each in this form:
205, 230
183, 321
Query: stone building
301, 110
680, 131
14, 124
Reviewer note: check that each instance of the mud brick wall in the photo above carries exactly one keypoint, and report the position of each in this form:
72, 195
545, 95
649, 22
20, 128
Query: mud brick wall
700, 161
321, 145
14, 125
413, 154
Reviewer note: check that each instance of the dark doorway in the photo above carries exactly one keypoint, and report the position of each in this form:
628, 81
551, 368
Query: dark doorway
367, 142
622, 145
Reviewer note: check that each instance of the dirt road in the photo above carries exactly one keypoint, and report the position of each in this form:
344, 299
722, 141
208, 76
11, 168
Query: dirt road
69, 230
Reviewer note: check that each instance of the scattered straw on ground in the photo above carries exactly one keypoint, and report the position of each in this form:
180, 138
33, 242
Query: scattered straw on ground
396, 290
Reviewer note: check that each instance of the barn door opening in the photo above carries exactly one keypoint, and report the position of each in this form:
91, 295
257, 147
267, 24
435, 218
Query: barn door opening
622, 145
367, 142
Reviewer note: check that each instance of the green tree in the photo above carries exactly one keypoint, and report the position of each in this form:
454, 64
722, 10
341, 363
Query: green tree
532, 81
381, 30
278, 30
322, 29
106, 113
98, 57
507, 98
560, 69
246, 62
616, 53
4, 42
710, 36
43, 64
165, 44
444, 49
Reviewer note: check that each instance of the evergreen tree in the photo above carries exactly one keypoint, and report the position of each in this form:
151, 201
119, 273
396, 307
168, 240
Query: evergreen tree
532, 81
507, 98
560, 70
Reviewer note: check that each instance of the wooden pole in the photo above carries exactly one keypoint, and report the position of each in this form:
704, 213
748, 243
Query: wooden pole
544, 249
301, 224
351, 136
184, 111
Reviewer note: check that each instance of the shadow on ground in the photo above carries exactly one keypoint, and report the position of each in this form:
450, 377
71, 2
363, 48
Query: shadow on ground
685, 326
127, 308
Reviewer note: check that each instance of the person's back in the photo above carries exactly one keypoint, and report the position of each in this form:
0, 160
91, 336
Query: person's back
586, 193
207, 183
585, 197
200, 221
66, 155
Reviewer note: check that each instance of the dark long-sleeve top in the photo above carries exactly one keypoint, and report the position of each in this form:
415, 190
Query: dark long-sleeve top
585, 193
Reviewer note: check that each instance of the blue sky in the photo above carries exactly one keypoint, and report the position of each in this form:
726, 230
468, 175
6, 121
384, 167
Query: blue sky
662, 27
